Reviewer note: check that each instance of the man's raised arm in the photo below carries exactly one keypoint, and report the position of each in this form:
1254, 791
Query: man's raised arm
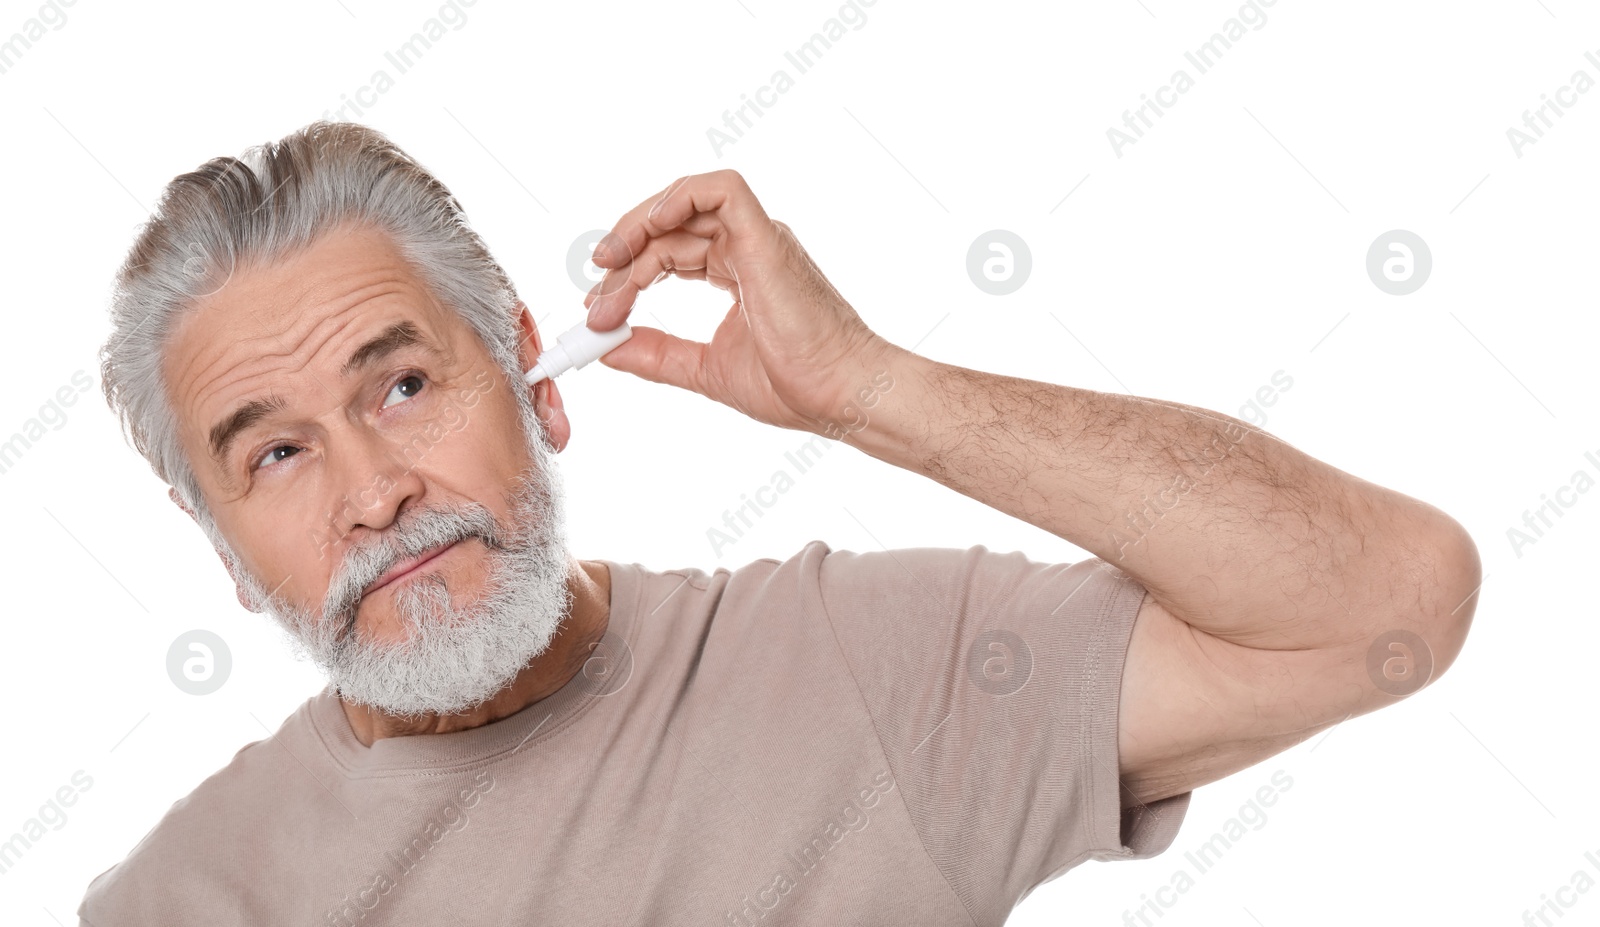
1282, 595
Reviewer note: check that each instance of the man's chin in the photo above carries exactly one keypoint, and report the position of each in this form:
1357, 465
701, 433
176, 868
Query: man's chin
440, 677
415, 708
413, 703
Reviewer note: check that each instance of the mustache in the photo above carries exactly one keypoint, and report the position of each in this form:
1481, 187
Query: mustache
420, 530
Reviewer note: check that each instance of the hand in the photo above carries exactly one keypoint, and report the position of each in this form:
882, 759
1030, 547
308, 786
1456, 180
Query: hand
790, 352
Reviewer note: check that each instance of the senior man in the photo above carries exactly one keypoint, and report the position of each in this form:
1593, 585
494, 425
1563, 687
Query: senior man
322, 359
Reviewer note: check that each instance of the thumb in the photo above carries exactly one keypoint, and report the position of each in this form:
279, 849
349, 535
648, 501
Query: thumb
654, 355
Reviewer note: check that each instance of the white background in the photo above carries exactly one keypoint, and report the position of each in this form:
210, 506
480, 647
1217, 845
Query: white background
1226, 245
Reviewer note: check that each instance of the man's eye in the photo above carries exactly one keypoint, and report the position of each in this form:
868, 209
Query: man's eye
406, 388
271, 455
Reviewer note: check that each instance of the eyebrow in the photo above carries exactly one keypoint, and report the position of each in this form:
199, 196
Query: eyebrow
395, 337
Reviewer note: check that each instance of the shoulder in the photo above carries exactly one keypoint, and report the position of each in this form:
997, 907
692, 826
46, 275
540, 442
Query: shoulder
188, 850
720, 586
989, 585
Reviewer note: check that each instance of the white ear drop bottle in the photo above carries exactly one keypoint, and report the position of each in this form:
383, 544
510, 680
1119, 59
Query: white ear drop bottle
574, 348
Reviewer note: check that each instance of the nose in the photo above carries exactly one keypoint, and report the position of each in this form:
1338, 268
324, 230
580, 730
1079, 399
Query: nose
375, 477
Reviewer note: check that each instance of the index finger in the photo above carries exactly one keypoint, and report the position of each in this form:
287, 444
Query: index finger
723, 193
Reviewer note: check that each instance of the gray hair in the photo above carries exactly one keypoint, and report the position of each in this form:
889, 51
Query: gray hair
268, 204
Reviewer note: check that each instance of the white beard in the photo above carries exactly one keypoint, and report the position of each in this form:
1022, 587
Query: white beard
456, 655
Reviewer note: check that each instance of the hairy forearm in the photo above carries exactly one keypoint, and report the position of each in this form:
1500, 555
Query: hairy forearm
1235, 531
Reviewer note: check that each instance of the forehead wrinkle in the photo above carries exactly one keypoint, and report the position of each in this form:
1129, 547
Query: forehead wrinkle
206, 376
261, 297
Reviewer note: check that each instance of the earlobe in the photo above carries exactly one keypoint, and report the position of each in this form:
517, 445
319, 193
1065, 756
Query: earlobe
552, 414
238, 589
244, 602
172, 493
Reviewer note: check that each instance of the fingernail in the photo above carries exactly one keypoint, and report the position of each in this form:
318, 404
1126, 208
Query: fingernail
610, 247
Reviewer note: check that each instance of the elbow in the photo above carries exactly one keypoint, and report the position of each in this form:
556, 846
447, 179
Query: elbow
1433, 583
1455, 585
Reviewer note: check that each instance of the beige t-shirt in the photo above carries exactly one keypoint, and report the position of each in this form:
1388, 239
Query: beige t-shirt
916, 736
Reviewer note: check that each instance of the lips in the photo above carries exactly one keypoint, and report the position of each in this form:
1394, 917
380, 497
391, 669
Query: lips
405, 566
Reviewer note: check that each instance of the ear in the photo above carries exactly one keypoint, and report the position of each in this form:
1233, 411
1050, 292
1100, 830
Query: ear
172, 493
546, 398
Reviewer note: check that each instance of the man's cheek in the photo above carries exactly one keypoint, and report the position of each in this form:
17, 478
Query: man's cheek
469, 396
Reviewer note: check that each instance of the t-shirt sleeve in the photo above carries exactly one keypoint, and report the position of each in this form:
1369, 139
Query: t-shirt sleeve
993, 682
